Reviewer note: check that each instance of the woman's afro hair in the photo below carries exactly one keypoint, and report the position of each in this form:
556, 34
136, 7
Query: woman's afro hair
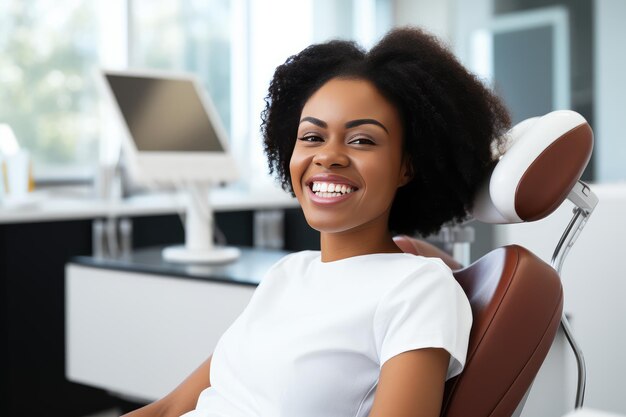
451, 121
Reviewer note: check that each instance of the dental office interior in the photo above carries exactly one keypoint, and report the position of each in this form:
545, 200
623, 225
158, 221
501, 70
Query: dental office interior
98, 318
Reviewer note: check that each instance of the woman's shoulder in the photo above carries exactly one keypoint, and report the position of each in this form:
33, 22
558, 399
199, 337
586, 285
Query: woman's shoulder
403, 265
409, 276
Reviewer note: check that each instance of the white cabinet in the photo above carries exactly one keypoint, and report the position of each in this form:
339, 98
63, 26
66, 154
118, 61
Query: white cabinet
139, 335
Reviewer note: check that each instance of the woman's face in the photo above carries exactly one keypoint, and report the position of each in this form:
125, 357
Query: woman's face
347, 162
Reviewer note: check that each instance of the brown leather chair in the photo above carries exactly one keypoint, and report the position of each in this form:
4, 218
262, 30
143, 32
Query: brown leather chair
516, 298
517, 302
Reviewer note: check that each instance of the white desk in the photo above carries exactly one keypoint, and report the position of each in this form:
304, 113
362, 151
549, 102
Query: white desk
49, 205
138, 327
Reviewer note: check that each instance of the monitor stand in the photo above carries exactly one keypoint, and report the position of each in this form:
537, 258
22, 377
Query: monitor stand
199, 246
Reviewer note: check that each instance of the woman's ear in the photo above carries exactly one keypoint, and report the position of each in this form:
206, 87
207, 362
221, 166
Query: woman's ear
407, 173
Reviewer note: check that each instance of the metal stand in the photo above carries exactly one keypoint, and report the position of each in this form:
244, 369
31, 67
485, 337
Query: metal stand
199, 246
585, 201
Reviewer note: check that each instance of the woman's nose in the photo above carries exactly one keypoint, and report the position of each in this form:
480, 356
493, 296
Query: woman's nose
331, 156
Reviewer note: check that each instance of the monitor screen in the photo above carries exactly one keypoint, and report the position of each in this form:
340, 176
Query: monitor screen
164, 114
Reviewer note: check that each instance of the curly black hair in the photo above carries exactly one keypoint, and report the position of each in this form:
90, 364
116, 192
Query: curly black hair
451, 121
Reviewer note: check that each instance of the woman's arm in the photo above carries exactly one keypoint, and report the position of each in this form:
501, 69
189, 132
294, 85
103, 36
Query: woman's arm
182, 399
411, 384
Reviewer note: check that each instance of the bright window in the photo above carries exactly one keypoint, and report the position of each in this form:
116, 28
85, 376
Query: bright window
48, 54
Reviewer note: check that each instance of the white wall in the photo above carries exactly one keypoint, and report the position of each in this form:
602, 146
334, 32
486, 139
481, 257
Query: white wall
610, 89
453, 21
434, 16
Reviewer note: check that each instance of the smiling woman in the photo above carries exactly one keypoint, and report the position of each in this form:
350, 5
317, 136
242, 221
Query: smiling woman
393, 140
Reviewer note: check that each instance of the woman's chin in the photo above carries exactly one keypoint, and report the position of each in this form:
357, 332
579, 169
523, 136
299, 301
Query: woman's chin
334, 225
326, 225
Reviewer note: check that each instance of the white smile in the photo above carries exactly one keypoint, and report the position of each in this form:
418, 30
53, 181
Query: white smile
329, 189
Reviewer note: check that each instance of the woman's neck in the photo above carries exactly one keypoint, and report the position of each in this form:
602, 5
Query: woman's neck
341, 245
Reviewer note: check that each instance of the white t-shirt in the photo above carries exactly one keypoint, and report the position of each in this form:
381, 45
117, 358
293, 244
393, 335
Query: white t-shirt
315, 334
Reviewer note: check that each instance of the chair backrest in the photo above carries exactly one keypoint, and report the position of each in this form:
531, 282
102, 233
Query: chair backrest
516, 298
517, 302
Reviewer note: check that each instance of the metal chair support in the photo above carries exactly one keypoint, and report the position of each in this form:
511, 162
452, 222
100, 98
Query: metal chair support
585, 201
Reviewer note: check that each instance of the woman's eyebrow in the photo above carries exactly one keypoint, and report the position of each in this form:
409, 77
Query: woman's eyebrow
359, 122
349, 125
315, 121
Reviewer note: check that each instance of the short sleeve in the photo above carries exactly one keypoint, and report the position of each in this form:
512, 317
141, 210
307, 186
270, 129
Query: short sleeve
427, 308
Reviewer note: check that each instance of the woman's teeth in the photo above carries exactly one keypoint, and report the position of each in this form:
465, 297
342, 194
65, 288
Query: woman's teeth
328, 189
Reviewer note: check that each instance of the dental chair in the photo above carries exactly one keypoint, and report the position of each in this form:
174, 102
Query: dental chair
516, 298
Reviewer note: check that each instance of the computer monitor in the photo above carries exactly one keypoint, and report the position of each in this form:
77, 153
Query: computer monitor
174, 136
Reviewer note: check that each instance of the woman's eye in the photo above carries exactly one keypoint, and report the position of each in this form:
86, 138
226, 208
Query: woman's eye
362, 141
310, 138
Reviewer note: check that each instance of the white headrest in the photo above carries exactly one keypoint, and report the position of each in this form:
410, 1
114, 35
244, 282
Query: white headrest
543, 159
